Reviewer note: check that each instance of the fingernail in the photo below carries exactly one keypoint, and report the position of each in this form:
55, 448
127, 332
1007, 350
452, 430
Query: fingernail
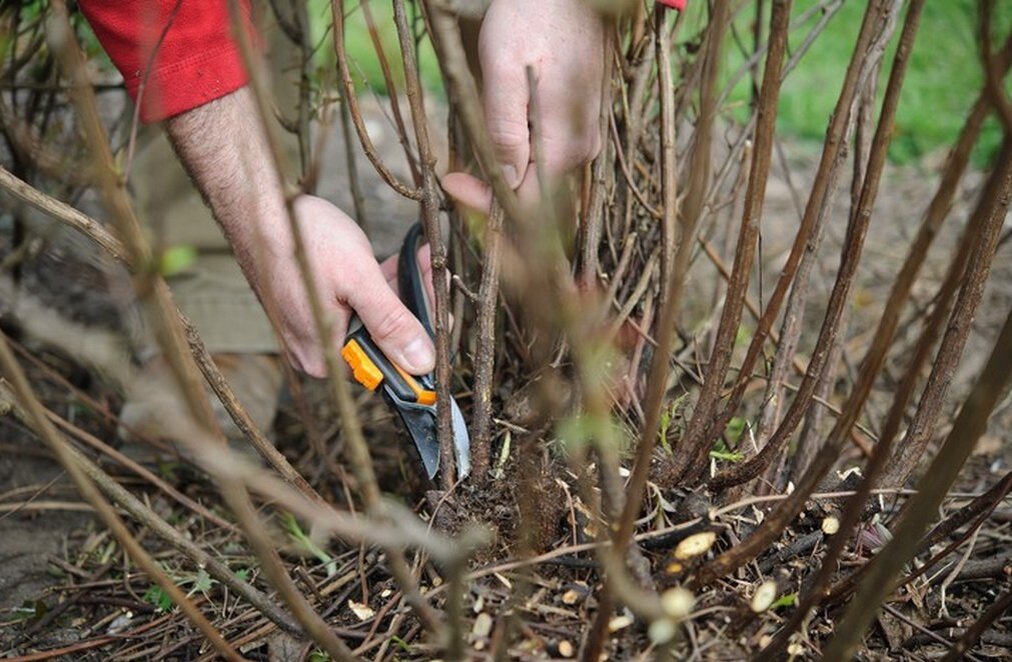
419, 356
510, 173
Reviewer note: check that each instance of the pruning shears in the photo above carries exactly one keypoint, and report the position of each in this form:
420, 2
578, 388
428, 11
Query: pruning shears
412, 397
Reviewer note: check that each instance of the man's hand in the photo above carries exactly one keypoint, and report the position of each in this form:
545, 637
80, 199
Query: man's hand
223, 147
348, 280
563, 41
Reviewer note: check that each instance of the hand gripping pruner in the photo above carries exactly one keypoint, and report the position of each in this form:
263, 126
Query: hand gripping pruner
413, 398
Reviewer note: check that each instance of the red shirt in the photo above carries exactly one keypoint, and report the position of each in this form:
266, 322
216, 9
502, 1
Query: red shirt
196, 59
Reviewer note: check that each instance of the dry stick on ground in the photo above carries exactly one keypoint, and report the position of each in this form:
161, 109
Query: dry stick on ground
349, 98
971, 422
34, 416
358, 449
996, 610
988, 501
849, 259
485, 350
440, 274
696, 441
775, 522
147, 517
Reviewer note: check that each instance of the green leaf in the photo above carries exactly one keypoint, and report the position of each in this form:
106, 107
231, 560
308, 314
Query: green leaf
175, 259
580, 429
663, 432
734, 429
727, 456
203, 582
157, 596
302, 540
788, 600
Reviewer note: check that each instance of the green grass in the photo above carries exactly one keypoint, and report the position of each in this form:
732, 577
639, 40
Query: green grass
943, 79
363, 62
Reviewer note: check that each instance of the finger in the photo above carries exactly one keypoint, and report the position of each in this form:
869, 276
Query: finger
389, 269
398, 333
505, 98
468, 191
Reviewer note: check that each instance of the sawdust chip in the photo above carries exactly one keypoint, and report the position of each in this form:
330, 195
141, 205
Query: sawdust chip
566, 649
830, 525
361, 611
677, 602
482, 626
619, 622
694, 545
764, 596
661, 631
570, 597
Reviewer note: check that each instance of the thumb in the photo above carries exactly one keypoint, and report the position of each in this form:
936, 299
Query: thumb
398, 333
505, 98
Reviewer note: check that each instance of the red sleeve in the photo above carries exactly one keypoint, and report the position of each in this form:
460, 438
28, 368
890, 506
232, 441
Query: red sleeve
677, 4
196, 59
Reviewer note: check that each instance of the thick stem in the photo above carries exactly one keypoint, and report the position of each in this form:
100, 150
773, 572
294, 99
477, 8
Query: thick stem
485, 352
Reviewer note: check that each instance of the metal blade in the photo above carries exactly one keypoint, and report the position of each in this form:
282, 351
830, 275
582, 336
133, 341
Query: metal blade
420, 422
461, 441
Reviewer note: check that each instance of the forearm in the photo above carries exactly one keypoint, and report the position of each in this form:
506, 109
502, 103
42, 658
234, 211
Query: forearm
223, 146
